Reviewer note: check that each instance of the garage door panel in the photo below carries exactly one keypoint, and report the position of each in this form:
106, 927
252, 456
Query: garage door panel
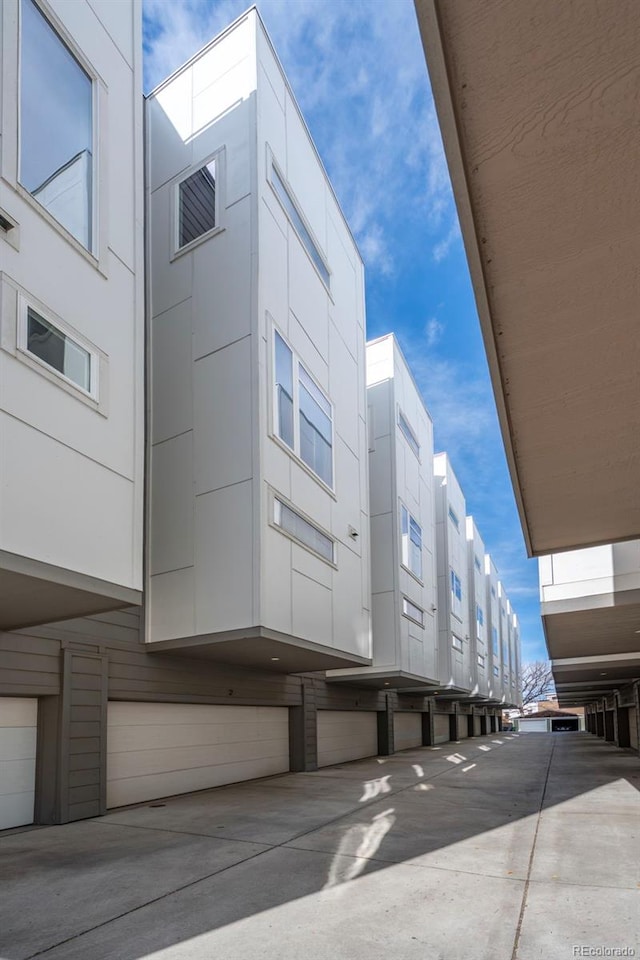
345, 735
170, 783
18, 735
441, 727
147, 737
132, 762
407, 730
532, 726
158, 750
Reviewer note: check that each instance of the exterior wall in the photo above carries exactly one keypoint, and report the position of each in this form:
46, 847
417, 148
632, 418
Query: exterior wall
493, 629
582, 578
217, 561
504, 638
81, 513
401, 646
451, 554
478, 620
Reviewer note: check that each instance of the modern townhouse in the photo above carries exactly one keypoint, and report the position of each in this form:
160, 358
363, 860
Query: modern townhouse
477, 604
403, 573
72, 375
185, 591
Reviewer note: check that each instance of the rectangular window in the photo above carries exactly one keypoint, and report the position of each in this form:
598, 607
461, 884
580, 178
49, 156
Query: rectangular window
478, 565
303, 415
411, 542
316, 427
493, 592
56, 126
59, 352
456, 593
494, 640
303, 531
412, 611
453, 516
284, 391
456, 642
481, 661
197, 204
408, 434
290, 208
496, 672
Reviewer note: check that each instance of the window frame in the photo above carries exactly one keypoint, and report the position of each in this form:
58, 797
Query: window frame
480, 660
453, 516
273, 165
294, 451
457, 642
455, 600
218, 157
97, 397
97, 253
409, 434
276, 500
405, 566
406, 601
496, 671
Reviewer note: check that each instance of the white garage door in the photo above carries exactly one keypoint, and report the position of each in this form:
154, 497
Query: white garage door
346, 735
18, 727
532, 726
441, 727
476, 726
160, 749
407, 730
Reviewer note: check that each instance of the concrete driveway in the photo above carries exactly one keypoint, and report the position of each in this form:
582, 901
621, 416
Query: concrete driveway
500, 847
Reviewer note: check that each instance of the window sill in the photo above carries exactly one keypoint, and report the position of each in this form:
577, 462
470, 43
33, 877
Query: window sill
412, 574
94, 261
296, 459
193, 244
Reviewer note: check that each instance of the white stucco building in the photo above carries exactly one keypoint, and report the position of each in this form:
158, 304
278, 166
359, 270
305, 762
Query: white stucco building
259, 526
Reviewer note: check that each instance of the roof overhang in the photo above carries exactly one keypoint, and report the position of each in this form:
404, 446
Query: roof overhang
538, 112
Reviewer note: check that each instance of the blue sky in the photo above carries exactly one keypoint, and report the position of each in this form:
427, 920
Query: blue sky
357, 69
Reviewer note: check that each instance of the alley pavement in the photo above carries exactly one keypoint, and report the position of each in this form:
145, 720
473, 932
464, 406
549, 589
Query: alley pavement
502, 847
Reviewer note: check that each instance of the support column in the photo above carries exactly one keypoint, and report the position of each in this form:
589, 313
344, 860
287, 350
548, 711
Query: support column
385, 728
453, 723
609, 726
622, 727
428, 733
303, 731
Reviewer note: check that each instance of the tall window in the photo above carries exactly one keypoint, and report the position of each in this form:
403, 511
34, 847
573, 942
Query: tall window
494, 640
284, 196
56, 126
408, 433
303, 414
456, 593
411, 542
479, 622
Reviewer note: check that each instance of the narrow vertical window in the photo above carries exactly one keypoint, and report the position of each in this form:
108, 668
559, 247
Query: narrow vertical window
411, 542
456, 593
316, 428
56, 126
284, 391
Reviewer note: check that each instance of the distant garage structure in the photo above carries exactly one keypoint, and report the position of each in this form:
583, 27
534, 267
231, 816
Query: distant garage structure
550, 721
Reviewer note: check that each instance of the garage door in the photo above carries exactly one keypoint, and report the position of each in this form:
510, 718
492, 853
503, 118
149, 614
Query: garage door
18, 727
407, 730
532, 726
441, 727
160, 749
476, 726
346, 735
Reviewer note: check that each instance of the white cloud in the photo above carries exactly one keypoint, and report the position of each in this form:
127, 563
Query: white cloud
357, 69
433, 331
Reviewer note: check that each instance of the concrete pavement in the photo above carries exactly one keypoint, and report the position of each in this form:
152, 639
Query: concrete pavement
496, 848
